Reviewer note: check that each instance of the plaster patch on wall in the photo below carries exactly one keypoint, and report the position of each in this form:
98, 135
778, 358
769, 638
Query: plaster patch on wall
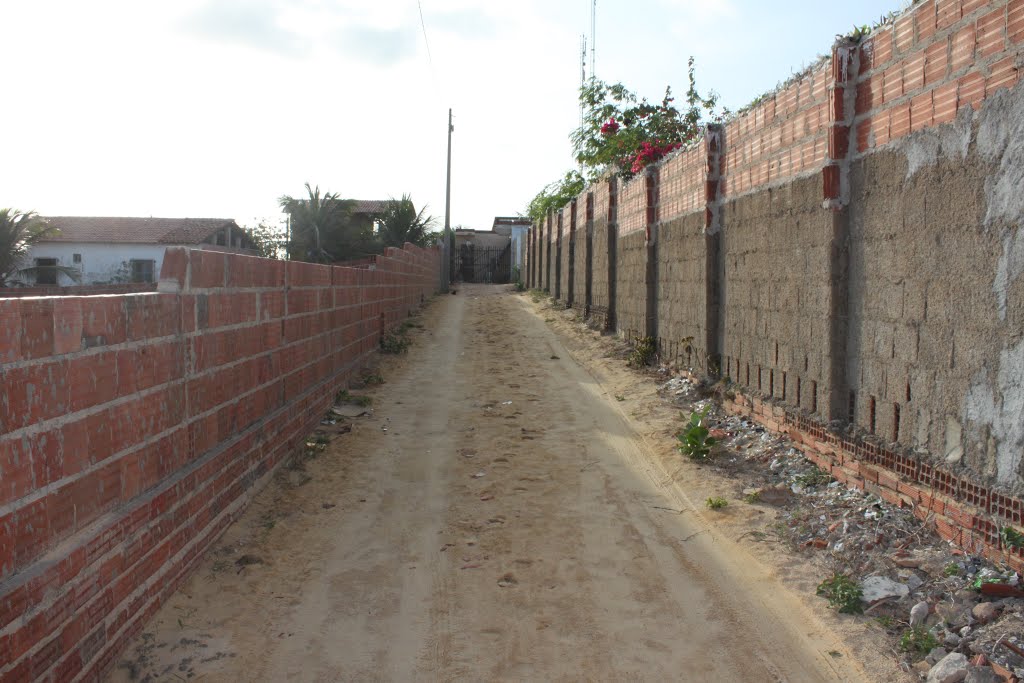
1009, 267
926, 147
1001, 142
1001, 408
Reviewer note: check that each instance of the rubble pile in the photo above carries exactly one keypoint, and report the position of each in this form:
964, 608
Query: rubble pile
951, 616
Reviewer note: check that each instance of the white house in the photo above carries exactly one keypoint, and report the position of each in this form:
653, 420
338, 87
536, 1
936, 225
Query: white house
113, 250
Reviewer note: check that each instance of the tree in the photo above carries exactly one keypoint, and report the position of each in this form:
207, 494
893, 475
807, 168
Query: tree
626, 134
400, 223
18, 232
556, 195
271, 240
318, 227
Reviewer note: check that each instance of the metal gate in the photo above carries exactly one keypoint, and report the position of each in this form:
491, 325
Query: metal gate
471, 263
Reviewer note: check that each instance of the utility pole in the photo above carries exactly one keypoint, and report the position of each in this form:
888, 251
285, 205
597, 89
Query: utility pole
449, 241
448, 186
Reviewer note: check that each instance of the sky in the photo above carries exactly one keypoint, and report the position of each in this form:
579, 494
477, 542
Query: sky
216, 108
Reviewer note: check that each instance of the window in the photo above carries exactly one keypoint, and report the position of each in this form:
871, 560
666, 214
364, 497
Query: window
76, 258
142, 270
46, 273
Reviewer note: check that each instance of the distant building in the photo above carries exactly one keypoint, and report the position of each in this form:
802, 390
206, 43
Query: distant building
115, 249
516, 228
482, 256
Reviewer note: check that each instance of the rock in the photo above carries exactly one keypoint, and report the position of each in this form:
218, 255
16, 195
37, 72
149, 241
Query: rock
950, 640
877, 588
953, 614
910, 578
982, 674
775, 495
919, 613
985, 611
935, 655
950, 669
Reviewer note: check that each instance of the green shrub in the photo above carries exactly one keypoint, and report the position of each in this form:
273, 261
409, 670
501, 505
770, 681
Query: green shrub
842, 593
694, 441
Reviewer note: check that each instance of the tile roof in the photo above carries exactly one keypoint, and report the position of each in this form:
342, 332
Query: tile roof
136, 230
371, 206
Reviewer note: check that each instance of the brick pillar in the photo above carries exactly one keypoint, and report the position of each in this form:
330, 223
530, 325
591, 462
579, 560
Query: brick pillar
651, 184
610, 323
588, 257
558, 256
714, 258
546, 246
571, 283
836, 191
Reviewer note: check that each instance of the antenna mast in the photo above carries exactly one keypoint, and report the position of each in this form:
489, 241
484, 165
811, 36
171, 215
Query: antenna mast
593, 39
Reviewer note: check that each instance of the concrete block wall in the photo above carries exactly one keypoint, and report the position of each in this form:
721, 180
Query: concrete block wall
848, 252
682, 269
134, 428
631, 259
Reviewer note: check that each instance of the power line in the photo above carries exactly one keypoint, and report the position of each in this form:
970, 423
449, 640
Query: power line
423, 25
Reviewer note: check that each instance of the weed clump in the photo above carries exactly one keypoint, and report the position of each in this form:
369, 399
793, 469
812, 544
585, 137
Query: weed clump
842, 593
918, 639
716, 503
394, 343
644, 352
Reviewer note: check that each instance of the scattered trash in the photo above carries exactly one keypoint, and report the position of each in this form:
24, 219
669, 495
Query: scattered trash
479, 475
507, 580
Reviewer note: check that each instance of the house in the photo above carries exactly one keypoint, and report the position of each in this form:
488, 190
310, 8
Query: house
115, 249
516, 227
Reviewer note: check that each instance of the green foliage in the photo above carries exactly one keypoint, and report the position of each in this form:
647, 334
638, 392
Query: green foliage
1012, 538
400, 223
752, 497
842, 593
18, 232
918, 639
645, 350
555, 195
394, 343
694, 441
716, 503
951, 569
324, 229
886, 621
355, 399
623, 133
271, 240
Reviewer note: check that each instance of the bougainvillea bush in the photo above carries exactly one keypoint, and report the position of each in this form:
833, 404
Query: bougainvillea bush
625, 134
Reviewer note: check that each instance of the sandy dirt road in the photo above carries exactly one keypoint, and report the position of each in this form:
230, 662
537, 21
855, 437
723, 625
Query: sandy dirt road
496, 519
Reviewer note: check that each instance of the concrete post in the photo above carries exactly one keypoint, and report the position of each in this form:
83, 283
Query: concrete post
571, 284
588, 257
651, 179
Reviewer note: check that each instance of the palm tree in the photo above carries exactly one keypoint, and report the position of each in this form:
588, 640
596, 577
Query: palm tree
311, 221
399, 223
18, 232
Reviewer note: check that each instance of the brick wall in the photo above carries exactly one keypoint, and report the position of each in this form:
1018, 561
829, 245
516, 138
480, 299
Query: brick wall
135, 427
848, 252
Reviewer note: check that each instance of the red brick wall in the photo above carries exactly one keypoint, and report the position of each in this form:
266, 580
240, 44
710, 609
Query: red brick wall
780, 138
134, 428
938, 57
